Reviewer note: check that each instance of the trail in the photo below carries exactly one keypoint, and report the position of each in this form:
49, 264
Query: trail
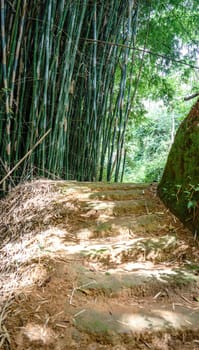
95, 266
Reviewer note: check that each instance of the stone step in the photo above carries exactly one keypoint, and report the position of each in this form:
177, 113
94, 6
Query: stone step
116, 252
127, 226
118, 195
141, 280
100, 186
156, 325
121, 208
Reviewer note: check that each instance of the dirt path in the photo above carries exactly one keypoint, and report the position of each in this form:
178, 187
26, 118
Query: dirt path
95, 266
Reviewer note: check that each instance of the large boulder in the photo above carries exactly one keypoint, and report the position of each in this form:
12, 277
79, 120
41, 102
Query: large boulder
179, 186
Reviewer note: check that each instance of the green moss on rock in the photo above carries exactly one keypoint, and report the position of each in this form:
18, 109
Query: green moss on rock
179, 186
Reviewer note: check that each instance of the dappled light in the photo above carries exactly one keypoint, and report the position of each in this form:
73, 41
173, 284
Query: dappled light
80, 261
41, 334
99, 175
157, 319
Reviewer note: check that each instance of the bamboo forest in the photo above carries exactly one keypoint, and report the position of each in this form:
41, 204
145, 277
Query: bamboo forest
99, 174
102, 77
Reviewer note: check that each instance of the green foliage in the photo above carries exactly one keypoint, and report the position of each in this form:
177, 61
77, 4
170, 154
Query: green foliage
149, 138
148, 148
168, 31
191, 194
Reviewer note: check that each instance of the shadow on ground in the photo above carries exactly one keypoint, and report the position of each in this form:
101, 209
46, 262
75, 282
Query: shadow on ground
95, 266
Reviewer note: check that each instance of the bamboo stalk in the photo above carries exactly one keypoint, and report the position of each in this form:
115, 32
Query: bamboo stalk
25, 156
5, 80
65, 63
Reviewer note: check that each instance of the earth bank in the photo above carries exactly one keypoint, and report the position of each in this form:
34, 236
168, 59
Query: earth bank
179, 186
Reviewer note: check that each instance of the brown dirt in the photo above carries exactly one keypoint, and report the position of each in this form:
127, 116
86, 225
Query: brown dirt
95, 266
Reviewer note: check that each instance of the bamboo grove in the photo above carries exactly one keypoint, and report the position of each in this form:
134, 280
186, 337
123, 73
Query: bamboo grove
64, 69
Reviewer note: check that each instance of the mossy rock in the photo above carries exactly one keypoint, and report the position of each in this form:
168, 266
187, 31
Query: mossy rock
179, 186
